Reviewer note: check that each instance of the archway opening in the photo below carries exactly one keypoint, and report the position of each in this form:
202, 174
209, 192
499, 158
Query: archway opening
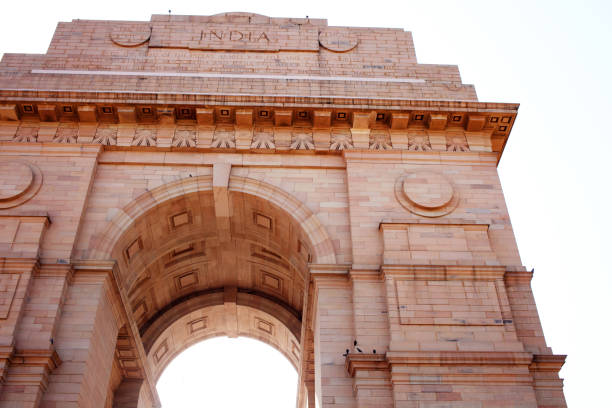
195, 263
228, 372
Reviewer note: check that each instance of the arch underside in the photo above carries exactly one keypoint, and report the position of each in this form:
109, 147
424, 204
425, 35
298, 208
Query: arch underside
192, 269
212, 321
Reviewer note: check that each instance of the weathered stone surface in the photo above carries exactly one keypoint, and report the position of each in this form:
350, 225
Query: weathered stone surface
196, 176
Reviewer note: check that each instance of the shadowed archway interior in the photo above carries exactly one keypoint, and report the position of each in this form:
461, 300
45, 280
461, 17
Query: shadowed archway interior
192, 271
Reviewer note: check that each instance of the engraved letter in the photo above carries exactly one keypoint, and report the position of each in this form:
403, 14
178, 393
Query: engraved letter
234, 35
220, 37
263, 35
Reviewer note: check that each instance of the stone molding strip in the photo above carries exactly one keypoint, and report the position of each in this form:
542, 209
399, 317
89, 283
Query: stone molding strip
233, 76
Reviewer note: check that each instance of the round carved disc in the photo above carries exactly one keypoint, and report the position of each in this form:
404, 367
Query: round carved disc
428, 190
337, 40
131, 36
16, 179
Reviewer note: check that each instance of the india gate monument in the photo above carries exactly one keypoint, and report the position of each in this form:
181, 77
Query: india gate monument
314, 187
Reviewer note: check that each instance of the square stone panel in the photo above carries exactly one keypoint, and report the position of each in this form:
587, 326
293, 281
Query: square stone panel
271, 281
161, 351
264, 326
198, 325
262, 220
132, 249
186, 280
180, 219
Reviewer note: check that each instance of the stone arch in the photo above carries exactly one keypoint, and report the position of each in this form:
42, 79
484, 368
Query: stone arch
167, 295
203, 317
323, 249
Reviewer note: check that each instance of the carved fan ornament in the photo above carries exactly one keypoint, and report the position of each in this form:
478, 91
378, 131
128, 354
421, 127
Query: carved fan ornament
145, 137
302, 140
184, 137
341, 139
106, 136
263, 138
426, 193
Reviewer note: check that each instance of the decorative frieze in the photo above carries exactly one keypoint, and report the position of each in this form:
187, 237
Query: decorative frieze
305, 129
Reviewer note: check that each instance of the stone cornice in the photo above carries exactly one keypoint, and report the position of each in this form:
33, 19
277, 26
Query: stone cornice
48, 359
132, 97
458, 358
444, 272
259, 125
365, 362
547, 362
19, 265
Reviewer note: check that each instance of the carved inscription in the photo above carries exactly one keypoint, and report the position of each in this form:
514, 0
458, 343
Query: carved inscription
239, 38
234, 35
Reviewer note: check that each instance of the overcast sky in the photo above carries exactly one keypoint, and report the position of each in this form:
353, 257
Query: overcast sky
552, 57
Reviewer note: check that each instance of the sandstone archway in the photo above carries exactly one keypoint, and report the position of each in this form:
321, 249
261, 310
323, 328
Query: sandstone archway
197, 260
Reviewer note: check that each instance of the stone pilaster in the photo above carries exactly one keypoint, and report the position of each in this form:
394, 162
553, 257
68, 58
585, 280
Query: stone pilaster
334, 334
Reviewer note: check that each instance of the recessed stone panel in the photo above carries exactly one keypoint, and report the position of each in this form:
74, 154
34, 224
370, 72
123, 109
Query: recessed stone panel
186, 280
451, 302
133, 248
198, 325
180, 219
264, 326
161, 351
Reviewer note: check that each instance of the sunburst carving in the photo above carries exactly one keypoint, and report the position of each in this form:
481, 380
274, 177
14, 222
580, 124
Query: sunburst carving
184, 137
106, 136
340, 140
302, 140
263, 138
456, 143
66, 133
26, 133
380, 139
224, 137
145, 137
419, 142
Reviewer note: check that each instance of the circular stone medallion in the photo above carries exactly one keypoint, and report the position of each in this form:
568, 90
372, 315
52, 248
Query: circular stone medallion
16, 179
338, 40
426, 193
20, 181
130, 36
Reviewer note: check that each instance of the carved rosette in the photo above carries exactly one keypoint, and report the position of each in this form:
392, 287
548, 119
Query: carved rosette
426, 193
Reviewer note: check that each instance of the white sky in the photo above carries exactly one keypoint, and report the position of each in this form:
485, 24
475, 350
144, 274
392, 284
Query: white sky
207, 374
553, 57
